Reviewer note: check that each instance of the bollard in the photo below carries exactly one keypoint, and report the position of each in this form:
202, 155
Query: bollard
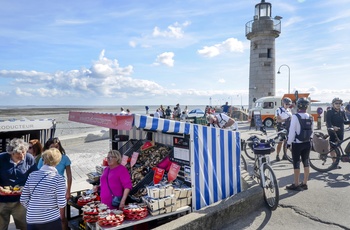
319, 122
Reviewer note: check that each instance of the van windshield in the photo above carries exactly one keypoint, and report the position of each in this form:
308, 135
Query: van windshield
265, 105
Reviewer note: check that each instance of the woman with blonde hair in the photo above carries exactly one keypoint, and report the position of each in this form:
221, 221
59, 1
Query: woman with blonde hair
44, 194
115, 182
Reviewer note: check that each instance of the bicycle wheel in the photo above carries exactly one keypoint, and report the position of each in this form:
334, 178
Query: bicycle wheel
243, 163
287, 153
271, 192
248, 150
324, 162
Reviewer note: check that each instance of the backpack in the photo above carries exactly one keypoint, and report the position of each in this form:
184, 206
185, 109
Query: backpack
305, 128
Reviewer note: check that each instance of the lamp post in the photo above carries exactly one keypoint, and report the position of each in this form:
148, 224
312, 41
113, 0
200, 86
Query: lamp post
288, 76
240, 95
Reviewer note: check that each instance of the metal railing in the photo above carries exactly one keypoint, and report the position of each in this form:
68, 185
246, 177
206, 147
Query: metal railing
276, 26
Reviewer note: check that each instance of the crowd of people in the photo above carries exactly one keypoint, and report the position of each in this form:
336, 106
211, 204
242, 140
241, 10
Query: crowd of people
45, 174
299, 126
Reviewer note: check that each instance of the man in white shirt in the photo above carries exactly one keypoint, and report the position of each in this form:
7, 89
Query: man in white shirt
283, 117
220, 121
122, 111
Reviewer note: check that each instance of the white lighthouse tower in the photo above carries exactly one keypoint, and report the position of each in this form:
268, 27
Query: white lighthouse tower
262, 32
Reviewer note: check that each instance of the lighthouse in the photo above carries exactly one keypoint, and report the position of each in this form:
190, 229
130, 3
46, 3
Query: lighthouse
262, 32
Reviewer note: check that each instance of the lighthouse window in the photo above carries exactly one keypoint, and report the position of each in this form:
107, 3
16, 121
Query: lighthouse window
269, 55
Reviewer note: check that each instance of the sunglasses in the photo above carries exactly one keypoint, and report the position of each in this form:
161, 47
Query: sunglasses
337, 103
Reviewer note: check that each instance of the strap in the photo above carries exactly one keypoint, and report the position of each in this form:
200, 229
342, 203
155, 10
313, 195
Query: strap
108, 183
39, 183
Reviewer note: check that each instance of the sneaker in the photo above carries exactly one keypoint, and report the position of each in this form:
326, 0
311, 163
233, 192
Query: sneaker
303, 186
284, 157
278, 158
293, 187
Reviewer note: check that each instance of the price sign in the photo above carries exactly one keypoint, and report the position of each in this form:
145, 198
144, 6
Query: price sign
134, 157
158, 175
173, 172
124, 160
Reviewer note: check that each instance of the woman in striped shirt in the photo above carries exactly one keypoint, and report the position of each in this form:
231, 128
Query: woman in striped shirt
44, 194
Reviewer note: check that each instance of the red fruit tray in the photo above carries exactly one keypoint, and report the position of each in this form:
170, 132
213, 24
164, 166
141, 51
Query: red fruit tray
135, 213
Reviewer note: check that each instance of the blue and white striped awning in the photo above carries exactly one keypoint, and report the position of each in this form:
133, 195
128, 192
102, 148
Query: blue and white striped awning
215, 158
163, 125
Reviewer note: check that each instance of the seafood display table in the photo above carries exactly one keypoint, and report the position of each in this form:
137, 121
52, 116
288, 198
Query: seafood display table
129, 223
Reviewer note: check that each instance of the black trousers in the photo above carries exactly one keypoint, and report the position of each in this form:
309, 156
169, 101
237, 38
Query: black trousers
53, 225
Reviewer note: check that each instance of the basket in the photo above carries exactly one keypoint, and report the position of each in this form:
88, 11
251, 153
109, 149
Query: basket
262, 149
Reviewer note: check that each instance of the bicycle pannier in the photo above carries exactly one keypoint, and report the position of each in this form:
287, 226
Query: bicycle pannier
320, 144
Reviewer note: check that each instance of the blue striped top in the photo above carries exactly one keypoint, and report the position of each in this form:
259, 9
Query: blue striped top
43, 205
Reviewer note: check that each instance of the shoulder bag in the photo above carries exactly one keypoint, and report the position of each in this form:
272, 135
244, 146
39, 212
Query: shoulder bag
116, 199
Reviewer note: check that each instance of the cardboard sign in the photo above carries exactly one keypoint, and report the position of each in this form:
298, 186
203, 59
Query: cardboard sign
124, 160
134, 157
158, 175
173, 172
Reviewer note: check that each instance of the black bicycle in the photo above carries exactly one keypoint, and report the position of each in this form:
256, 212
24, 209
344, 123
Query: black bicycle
329, 160
247, 145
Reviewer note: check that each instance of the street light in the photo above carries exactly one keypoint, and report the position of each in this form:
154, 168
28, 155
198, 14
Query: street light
288, 76
240, 95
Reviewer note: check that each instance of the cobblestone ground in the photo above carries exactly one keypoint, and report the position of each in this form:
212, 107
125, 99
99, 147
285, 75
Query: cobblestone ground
84, 158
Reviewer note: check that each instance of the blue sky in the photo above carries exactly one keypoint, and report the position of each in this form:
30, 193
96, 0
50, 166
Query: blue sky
95, 52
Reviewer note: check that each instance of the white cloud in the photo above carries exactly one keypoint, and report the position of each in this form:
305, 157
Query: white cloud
229, 45
132, 44
221, 80
173, 31
165, 58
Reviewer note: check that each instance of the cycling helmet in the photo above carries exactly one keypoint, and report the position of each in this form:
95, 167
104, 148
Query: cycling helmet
302, 103
337, 99
287, 101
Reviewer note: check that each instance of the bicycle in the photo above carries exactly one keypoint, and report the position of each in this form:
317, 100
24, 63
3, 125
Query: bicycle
324, 162
277, 137
243, 163
264, 173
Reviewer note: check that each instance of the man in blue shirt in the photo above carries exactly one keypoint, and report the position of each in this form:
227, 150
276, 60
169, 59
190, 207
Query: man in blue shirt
15, 166
226, 109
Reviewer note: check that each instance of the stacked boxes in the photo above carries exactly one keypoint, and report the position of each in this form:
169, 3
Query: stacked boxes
165, 198
160, 199
183, 196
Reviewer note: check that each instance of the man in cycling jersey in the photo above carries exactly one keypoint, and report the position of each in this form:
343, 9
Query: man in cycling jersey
335, 119
221, 121
283, 115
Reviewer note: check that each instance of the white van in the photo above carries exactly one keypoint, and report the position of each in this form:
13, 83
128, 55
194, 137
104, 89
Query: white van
268, 105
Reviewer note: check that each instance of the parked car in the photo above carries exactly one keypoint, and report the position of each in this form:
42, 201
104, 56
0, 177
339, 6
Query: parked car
196, 113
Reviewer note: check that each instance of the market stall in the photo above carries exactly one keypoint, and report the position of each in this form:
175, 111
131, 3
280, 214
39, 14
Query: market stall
41, 129
209, 157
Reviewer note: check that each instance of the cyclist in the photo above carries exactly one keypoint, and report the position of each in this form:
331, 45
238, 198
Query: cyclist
221, 121
283, 115
300, 138
335, 119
